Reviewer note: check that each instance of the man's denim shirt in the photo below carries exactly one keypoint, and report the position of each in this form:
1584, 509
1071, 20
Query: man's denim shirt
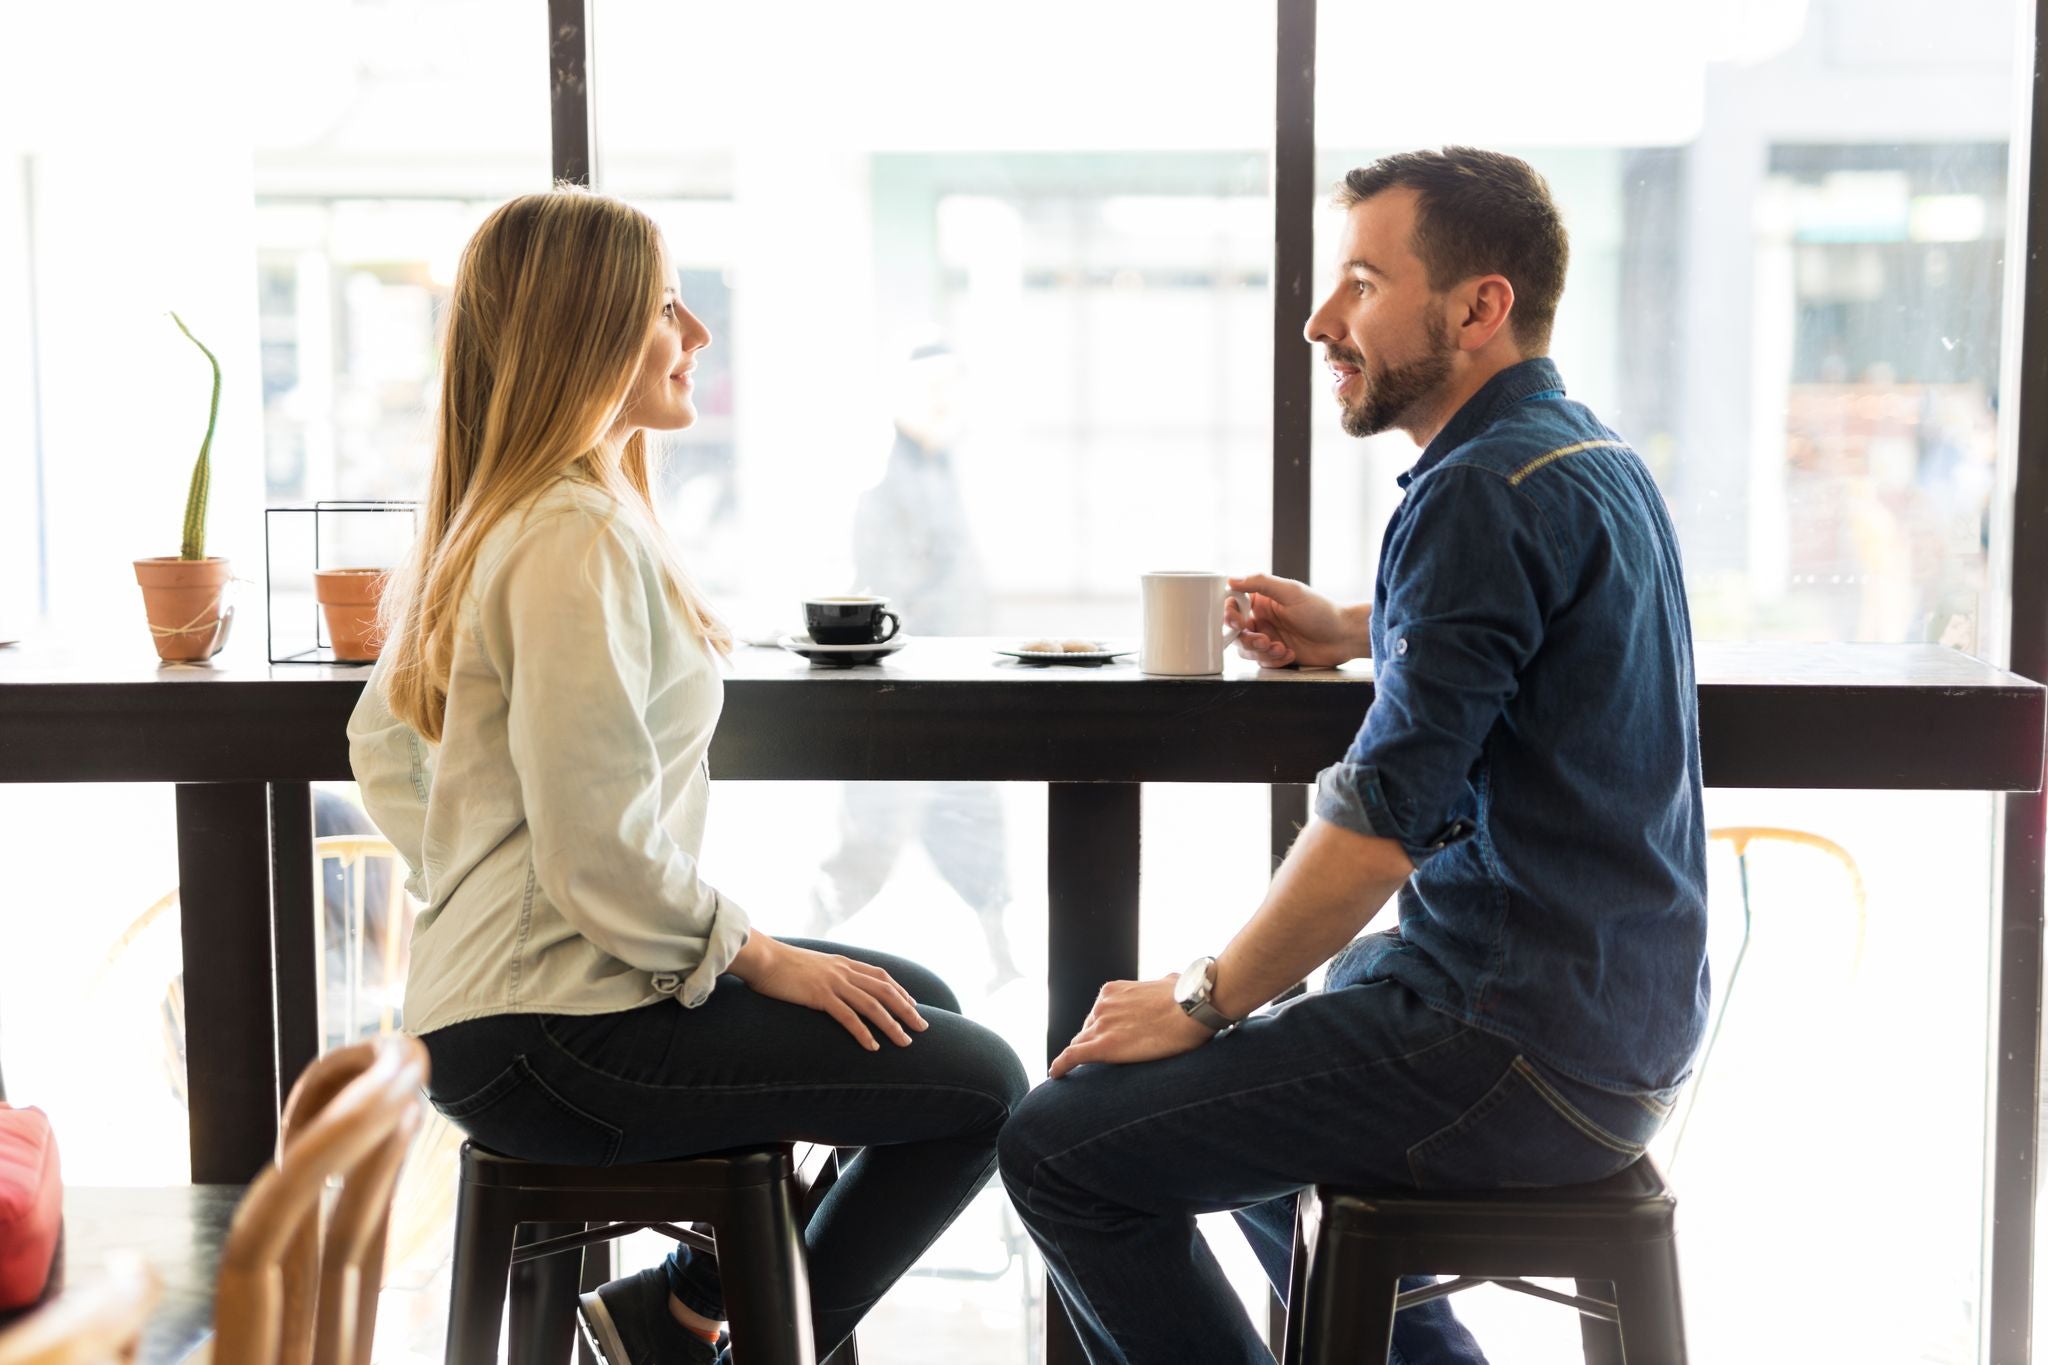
1534, 744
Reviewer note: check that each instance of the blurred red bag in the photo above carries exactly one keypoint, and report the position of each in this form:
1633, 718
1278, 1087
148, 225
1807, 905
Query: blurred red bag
31, 1205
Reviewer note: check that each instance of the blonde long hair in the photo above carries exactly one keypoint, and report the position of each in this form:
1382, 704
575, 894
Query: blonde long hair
554, 299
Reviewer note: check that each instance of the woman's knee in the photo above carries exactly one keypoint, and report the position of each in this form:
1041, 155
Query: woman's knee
925, 986
998, 1072
960, 1058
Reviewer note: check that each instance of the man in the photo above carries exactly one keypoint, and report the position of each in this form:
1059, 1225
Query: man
1527, 780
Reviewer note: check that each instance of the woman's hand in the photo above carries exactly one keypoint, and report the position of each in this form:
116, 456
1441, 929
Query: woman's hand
1292, 623
854, 993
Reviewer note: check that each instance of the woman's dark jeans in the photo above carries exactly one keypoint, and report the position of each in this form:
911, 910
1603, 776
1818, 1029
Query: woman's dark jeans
741, 1070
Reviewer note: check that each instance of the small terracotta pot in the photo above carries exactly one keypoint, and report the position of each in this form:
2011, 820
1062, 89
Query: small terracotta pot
183, 599
348, 598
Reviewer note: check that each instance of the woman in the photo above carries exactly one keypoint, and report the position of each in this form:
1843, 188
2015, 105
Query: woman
533, 741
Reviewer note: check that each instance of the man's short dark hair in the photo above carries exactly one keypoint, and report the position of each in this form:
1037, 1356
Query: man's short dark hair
1479, 213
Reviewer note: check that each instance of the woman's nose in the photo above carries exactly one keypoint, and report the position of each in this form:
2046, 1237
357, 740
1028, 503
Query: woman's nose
696, 336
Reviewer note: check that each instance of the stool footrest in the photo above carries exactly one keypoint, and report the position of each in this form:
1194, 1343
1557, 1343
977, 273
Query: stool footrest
704, 1242
609, 1232
1442, 1289
1592, 1308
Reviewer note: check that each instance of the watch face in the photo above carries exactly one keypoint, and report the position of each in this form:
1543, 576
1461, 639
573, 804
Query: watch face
1194, 982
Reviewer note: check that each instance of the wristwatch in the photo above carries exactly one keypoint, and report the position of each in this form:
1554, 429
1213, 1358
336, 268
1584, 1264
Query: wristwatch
1192, 994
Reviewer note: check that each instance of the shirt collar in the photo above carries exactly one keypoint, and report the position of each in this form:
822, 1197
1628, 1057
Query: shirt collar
1513, 385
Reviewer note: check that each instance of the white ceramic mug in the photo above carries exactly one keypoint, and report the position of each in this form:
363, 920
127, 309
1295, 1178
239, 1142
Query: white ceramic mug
1184, 631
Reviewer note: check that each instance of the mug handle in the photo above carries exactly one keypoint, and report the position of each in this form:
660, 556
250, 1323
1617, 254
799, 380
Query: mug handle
1244, 607
895, 624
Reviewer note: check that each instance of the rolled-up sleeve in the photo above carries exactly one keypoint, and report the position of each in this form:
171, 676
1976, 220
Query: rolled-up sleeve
1470, 580
565, 620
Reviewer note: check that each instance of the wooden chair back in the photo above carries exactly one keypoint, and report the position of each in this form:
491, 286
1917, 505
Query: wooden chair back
91, 1324
288, 1294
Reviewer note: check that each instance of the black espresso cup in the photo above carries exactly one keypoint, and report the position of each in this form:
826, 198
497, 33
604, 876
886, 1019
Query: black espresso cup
850, 620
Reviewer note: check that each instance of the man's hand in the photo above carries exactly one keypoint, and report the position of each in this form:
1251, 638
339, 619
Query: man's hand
1133, 1021
1292, 623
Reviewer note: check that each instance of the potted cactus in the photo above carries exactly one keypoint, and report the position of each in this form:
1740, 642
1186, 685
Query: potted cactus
183, 594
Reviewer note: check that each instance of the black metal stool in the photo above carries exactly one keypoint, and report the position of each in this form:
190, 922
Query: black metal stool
752, 1198
1614, 1237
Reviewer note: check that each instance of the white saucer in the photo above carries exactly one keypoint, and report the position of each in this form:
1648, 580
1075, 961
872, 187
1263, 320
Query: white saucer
842, 654
1076, 658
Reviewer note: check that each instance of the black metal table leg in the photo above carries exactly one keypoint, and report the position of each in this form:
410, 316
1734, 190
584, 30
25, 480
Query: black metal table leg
224, 903
1092, 834
294, 937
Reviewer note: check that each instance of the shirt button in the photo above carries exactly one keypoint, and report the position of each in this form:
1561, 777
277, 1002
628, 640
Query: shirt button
1400, 646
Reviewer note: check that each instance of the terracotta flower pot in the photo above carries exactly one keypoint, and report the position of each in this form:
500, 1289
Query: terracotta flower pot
348, 599
183, 599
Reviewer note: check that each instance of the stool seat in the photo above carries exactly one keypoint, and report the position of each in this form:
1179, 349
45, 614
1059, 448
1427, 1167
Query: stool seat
712, 1171
517, 1221
1615, 1237
1633, 1201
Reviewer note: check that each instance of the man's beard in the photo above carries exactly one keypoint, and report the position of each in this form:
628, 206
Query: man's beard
1394, 391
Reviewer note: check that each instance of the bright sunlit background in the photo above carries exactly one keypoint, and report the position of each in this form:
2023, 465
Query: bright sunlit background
1788, 281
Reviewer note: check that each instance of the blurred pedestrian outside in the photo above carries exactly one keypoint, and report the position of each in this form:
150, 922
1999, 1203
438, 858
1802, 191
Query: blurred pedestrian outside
912, 544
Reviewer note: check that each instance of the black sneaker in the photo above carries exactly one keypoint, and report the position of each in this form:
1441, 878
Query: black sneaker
627, 1322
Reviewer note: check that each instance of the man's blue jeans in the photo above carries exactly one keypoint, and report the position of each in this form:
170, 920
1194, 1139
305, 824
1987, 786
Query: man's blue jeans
1356, 1085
